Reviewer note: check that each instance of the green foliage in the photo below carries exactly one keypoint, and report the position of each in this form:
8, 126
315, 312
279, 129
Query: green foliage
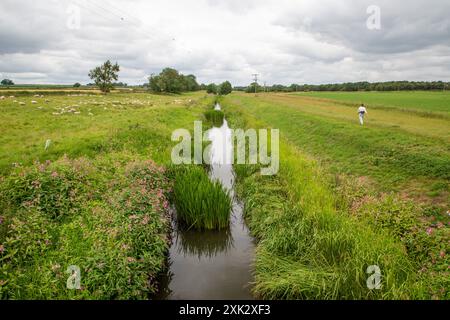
225, 88
215, 117
211, 88
171, 81
359, 86
54, 193
77, 85
201, 203
105, 75
254, 87
7, 82
118, 235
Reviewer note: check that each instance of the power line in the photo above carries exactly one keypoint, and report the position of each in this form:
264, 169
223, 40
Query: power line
120, 15
255, 80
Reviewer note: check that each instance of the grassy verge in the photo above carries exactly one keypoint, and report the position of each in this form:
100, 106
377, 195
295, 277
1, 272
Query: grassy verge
310, 246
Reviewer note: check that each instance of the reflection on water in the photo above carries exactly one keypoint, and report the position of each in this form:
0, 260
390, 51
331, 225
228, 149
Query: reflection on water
205, 244
212, 264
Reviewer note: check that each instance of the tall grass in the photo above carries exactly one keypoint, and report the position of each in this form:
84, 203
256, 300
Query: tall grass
309, 250
201, 203
215, 117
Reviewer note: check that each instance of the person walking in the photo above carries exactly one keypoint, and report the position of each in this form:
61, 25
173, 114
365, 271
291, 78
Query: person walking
362, 111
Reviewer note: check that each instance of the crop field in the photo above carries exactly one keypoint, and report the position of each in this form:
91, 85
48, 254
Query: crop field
84, 181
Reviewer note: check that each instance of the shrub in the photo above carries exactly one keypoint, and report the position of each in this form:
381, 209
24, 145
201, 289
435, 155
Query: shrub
47, 188
117, 236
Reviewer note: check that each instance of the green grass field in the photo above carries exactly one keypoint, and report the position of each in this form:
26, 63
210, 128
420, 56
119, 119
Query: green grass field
83, 182
409, 100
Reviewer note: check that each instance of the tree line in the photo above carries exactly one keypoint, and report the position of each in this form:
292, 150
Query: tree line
350, 86
169, 80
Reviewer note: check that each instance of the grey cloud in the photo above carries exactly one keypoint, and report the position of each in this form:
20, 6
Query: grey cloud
284, 41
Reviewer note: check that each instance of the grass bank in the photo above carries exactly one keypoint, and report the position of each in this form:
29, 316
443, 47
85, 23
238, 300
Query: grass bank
311, 245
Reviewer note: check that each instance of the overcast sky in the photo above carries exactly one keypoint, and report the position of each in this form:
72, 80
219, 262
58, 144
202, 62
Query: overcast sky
303, 41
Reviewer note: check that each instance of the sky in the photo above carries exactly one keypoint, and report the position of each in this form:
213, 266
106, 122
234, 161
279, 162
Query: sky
283, 41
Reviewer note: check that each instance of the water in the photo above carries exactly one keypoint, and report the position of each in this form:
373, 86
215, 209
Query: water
214, 264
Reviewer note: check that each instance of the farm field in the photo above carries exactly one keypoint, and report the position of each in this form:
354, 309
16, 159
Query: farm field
427, 101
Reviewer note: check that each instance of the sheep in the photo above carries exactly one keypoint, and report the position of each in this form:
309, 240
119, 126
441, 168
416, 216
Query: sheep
33, 102
22, 103
2, 97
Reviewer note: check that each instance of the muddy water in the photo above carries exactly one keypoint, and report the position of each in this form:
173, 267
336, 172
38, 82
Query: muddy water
213, 264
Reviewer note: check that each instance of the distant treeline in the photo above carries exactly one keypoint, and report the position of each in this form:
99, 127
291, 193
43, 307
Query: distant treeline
351, 86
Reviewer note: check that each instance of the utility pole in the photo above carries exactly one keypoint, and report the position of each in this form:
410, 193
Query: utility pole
255, 80
264, 87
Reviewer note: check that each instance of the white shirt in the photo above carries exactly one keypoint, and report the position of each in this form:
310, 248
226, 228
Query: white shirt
362, 110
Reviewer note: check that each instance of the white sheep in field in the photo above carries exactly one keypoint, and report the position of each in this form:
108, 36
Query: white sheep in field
33, 102
2, 97
22, 103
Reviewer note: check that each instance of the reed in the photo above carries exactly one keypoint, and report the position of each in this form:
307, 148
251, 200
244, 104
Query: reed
201, 204
215, 117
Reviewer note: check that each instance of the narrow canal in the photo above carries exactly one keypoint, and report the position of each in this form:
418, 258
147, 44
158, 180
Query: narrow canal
213, 264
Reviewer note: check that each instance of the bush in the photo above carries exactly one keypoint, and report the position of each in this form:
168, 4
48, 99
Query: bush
117, 236
54, 191
200, 203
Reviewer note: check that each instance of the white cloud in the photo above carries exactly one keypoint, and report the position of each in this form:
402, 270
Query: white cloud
284, 41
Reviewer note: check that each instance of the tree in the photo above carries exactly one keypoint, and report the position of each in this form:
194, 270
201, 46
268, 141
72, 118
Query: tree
104, 76
7, 82
190, 82
169, 80
252, 86
77, 85
211, 88
225, 88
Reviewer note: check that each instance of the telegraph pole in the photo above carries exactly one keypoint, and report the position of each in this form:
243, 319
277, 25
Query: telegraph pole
255, 80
